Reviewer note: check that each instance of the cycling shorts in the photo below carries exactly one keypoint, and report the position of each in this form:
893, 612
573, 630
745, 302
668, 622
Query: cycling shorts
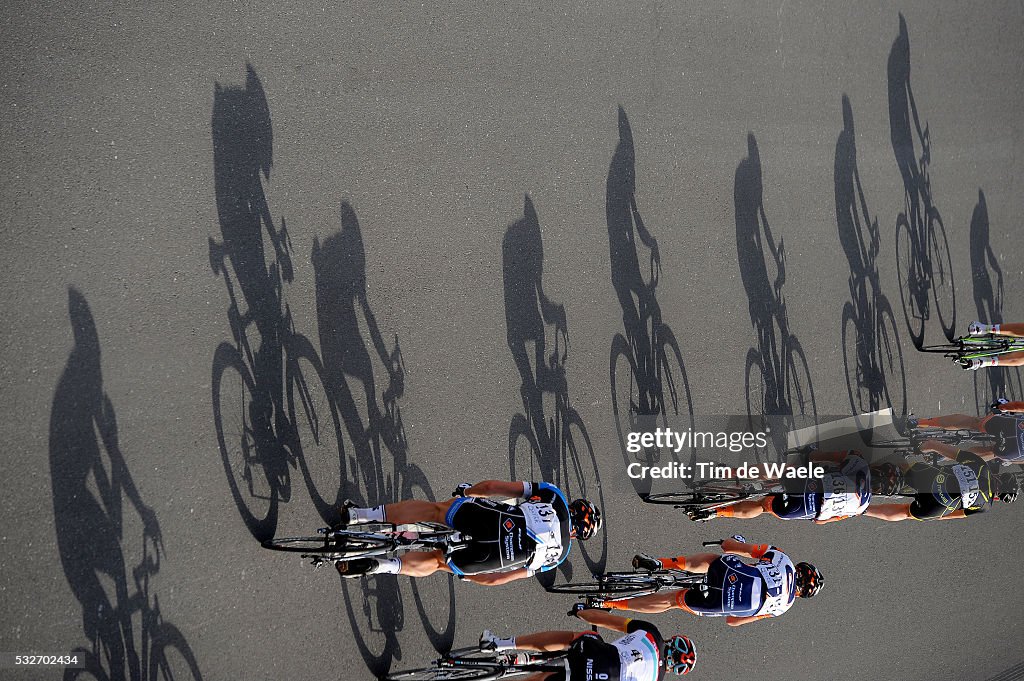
488, 550
1011, 428
795, 506
733, 588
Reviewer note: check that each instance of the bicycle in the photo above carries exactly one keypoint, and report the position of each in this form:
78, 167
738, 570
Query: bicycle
468, 664
966, 348
923, 259
626, 585
258, 450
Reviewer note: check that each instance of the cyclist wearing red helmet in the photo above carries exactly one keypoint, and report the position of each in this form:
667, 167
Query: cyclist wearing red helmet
640, 655
508, 541
739, 591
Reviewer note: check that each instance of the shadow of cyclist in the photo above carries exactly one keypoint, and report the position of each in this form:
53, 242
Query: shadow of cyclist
903, 118
987, 299
550, 443
527, 311
871, 349
90, 479
924, 262
242, 152
649, 385
994, 382
376, 468
636, 296
778, 381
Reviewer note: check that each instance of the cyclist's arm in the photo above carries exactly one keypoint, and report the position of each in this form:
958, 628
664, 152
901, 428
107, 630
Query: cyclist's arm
641, 229
496, 488
1013, 407
755, 551
498, 578
600, 618
889, 512
740, 621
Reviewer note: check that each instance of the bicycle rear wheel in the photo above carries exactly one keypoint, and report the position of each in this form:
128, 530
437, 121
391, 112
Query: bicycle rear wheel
619, 583
355, 544
445, 674
694, 498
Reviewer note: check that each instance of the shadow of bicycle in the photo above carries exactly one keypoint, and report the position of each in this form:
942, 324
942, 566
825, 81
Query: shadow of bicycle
375, 462
778, 383
548, 442
872, 357
923, 260
991, 383
91, 481
649, 384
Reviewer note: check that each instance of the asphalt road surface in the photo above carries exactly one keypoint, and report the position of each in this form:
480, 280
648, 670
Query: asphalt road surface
430, 164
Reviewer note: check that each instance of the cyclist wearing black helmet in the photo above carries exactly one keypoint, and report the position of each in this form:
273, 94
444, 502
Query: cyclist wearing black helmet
641, 655
842, 492
739, 591
508, 541
945, 492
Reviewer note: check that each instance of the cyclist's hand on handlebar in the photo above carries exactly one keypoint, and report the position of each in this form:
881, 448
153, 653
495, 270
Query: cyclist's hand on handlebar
997, 406
460, 490
577, 608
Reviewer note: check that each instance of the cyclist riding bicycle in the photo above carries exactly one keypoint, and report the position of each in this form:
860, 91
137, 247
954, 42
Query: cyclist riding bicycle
640, 655
944, 492
1006, 425
844, 491
739, 591
1006, 359
506, 541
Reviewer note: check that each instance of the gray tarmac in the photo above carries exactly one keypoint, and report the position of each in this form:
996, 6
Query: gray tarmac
409, 142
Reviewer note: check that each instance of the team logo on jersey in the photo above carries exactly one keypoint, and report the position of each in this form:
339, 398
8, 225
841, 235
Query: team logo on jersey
509, 524
1020, 425
812, 486
732, 579
940, 478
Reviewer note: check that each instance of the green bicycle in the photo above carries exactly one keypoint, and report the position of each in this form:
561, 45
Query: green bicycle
965, 348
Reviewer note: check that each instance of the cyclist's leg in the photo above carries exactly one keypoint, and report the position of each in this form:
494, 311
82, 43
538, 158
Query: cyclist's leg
401, 513
953, 422
650, 604
1009, 359
422, 563
546, 641
751, 508
1013, 329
